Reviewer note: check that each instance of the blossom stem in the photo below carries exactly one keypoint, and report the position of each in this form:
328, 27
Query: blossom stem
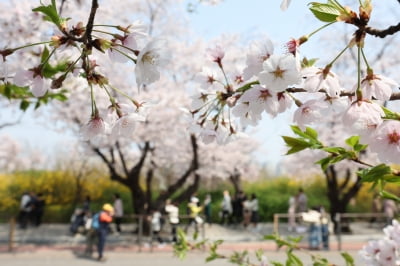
365, 59
320, 28
136, 103
124, 54
339, 55
296, 101
227, 85
92, 99
105, 32
30, 45
247, 86
48, 57
358, 91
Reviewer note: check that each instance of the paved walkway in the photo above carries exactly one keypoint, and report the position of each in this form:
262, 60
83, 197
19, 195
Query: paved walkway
44, 257
51, 244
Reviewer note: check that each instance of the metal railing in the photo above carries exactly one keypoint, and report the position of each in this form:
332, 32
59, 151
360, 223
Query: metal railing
338, 219
135, 220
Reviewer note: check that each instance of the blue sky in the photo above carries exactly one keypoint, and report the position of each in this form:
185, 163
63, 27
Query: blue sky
248, 18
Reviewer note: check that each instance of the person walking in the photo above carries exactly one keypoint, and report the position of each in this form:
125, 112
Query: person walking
101, 222
118, 212
207, 209
390, 210
38, 209
194, 211
302, 201
246, 211
254, 211
173, 217
226, 208
237, 208
155, 219
24, 210
292, 213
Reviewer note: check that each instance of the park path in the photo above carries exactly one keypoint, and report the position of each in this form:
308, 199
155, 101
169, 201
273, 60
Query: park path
51, 244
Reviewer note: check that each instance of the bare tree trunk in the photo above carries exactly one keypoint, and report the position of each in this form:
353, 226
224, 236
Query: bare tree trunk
340, 195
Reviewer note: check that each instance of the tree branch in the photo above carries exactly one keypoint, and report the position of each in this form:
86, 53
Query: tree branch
346, 180
122, 158
113, 173
194, 165
136, 169
149, 181
383, 33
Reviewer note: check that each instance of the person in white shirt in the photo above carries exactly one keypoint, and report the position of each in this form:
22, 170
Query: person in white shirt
254, 210
118, 211
226, 208
292, 213
173, 217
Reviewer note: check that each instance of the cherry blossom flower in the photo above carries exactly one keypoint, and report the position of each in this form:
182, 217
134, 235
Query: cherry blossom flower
216, 54
393, 231
261, 99
383, 251
316, 79
199, 100
29, 78
387, 254
386, 141
285, 4
362, 117
258, 53
279, 71
378, 87
207, 78
93, 128
149, 59
245, 114
125, 125
284, 102
127, 43
310, 112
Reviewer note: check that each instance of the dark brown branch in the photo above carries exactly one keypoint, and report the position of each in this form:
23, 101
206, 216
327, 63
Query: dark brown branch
89, 25
190, 190
122, 158
394, 97
346, 180
149, 181
136, 169
8, 124
383, 33
113, 173
194, 165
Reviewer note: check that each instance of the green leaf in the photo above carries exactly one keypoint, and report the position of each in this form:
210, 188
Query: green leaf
388, 195
391, 178
24, 105
313, 134
336, 150
375, 173
295, 144
389, 114
50, 13
348, 258
325, 162
293, 260
45, 55
308, 62
352, 141
324, 12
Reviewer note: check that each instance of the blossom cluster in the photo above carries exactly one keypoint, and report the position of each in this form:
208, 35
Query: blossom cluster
272, 83
385, 251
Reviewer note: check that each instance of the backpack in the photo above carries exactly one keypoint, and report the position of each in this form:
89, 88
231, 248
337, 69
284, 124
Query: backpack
96, 221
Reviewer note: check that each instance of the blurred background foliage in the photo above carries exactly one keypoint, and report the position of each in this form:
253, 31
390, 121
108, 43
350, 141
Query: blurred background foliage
63, 192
